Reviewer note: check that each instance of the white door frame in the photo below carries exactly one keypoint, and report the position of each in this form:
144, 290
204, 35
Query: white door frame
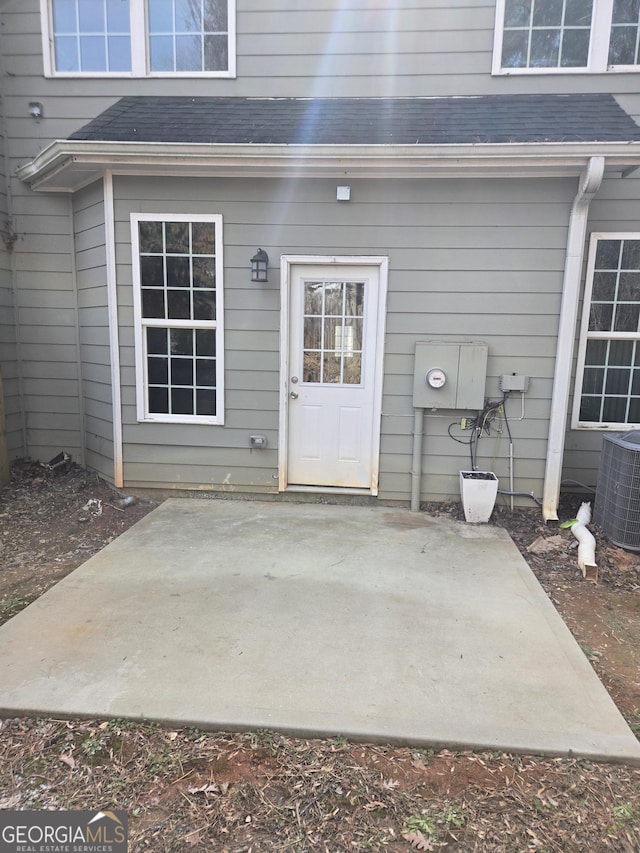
286, 263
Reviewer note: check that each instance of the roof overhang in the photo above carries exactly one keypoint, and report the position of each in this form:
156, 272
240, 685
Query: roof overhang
68, 165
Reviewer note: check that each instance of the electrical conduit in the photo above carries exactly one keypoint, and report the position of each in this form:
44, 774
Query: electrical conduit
416, 464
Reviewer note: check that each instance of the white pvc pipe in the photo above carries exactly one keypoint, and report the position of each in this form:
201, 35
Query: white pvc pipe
586, 543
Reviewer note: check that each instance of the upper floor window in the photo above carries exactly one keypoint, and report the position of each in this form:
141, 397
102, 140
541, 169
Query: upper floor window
139, 38
608, 378
539, 36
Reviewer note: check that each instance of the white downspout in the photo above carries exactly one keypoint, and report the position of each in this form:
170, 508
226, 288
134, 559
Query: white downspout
590, 182
114, 345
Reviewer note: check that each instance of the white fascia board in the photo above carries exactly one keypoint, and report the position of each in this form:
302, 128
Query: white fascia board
66, 165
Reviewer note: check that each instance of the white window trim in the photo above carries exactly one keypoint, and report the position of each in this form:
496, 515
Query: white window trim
139, 48
585, 335
143, 415
598, 47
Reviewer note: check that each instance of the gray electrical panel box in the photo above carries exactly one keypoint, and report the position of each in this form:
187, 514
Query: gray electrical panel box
449, 375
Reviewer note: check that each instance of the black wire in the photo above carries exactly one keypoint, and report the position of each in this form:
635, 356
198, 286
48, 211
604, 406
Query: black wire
459, 440
482, 424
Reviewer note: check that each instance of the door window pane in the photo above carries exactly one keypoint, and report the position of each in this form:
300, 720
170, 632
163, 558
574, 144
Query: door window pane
333, 332
331, 364
313, 297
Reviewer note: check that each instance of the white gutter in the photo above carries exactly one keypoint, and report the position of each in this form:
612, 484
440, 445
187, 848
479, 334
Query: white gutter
114, 342
589, 186
67, 164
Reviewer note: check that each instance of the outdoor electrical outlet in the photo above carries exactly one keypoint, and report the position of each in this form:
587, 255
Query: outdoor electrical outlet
513, 382
259, 441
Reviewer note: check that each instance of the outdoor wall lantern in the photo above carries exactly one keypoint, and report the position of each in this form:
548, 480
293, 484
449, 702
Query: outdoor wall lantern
259, 265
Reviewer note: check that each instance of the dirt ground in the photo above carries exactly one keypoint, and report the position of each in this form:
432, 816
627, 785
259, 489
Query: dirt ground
259, 791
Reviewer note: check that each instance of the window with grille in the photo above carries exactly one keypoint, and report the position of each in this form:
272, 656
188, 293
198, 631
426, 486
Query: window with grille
139, 38
541, 36
608, 379
178, 306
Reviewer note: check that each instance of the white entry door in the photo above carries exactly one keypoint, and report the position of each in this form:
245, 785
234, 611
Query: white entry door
332, 418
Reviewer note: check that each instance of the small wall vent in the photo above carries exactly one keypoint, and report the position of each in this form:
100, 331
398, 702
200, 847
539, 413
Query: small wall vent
617, 503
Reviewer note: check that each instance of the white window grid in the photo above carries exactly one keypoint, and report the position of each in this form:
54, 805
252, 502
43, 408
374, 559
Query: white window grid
598, 60
140, 47
341, 346
607, 336
142, 324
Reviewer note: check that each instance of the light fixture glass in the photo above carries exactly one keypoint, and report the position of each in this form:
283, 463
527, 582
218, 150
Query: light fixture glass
259, 266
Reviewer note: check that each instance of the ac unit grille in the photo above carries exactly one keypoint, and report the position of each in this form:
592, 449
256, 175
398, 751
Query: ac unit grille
617, 503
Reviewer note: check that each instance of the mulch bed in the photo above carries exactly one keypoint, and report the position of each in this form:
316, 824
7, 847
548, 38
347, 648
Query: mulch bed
260, 791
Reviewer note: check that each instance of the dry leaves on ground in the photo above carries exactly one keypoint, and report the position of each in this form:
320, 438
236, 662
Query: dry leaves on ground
260, 791
189, 790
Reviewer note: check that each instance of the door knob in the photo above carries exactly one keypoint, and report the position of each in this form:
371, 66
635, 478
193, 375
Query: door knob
294, 395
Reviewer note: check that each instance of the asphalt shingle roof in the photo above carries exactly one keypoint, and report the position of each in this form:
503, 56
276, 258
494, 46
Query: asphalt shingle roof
364, 121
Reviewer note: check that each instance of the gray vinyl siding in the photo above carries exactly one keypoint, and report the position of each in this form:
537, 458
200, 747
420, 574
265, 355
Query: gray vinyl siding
498, 281
47, 326
290, 48
8, 355
93, 321
501, 239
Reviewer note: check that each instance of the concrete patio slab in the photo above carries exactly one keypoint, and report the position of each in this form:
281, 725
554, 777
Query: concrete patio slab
369, 622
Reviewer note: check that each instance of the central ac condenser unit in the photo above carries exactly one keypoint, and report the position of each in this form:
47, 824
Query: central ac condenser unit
617, 503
